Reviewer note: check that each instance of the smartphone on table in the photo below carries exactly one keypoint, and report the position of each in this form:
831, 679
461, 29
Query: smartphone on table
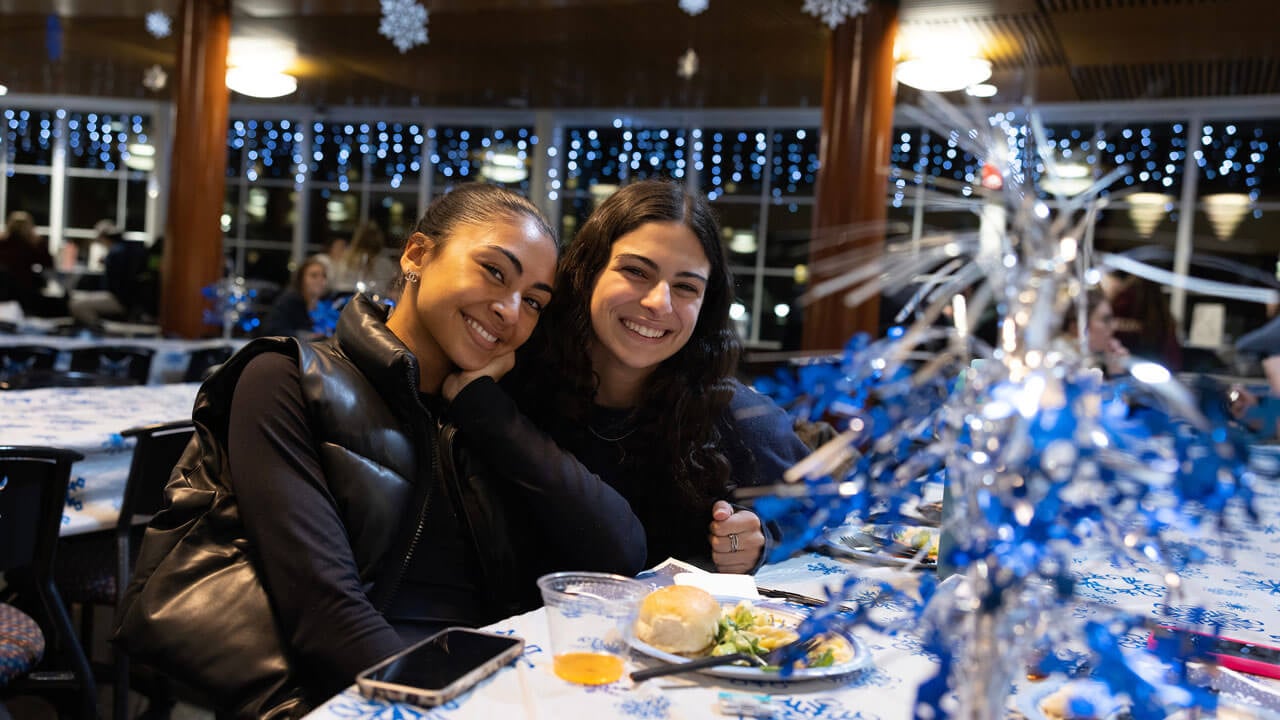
440, 668
1240, 655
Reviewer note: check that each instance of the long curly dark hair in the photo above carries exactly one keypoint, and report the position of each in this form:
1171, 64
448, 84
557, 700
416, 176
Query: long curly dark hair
684, 400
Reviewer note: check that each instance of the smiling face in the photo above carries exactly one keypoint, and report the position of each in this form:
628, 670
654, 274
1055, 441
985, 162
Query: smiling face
481, 292
646, 301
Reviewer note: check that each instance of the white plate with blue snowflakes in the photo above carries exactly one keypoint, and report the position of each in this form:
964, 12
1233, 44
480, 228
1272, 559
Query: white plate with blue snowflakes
1053, 697
777, 621
885, 543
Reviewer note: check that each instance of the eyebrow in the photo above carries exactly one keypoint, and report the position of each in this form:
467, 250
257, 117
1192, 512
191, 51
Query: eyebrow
654, 266
520, 267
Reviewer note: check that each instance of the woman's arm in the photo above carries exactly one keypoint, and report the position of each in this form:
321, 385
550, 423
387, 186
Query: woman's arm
589, 522
302, 549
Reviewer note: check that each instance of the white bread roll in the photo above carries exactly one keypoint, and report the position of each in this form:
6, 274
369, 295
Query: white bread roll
678, 619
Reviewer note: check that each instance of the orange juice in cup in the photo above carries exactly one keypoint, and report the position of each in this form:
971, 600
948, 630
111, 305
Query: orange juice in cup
590, 616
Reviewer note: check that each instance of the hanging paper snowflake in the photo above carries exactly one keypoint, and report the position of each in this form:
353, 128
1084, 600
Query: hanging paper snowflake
159, 24
404, 23
154, 78
693, 7
834, 12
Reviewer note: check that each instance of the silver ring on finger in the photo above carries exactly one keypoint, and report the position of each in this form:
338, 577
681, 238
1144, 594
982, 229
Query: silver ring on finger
733, 542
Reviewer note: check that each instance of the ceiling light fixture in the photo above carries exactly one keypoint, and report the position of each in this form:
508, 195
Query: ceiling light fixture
1147, 209
4, 89
743, 242
1225, 211
943, 74
982, 90
255, 67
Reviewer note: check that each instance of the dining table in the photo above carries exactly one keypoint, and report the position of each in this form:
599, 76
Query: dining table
1236, 587
168, 365
90, 420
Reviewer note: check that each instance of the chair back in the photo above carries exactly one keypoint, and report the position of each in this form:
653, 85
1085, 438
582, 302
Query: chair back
18, 359
202, 361
33, 490
159, 448
114, 360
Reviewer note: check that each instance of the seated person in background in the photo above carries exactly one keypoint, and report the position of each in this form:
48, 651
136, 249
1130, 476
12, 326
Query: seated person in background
1143, 322
290, 314
24, 258
372, 507
1104, 351
125, 261
1264, 344
632, 372
363, 267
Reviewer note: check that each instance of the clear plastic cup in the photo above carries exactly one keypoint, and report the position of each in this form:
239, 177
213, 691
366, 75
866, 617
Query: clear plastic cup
590, 616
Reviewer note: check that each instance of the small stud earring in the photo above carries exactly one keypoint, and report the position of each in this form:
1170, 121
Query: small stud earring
412, 277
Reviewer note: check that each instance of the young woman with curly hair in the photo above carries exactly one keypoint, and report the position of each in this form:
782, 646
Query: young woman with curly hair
632, 369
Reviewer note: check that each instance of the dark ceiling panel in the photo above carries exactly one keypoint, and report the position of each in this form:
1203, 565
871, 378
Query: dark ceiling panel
623, 53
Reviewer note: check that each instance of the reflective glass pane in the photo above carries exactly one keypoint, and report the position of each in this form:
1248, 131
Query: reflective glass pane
1154, 153
591, 157
740, 230
30, 193
744, 302
270, 213
795, 161
330, 214
90, 200
230, 219
574, 212
396, 213
654, 153
271, 265
781, 316
271, 148
106, 141
135, 205
337, 153
790, 228
945, 159
1241, 157
498, 155
397, 154
733, 161
29, 136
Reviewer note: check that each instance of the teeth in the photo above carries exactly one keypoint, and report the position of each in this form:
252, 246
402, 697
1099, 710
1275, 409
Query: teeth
642, 330
476, 326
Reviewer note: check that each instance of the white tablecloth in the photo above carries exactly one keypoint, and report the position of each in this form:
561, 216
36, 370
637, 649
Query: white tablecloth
168, 365
1239, 586
89, 421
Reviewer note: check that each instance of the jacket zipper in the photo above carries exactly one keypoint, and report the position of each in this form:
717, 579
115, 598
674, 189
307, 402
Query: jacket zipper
422, 517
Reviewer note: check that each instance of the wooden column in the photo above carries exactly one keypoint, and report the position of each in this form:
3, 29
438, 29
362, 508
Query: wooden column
193, 234
857, 122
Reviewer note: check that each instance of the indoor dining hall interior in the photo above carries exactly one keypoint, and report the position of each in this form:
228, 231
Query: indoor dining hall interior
661, 359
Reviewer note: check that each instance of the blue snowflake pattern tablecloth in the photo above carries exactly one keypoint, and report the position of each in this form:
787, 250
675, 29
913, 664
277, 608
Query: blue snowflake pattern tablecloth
1237, 587
168, 365
89, 421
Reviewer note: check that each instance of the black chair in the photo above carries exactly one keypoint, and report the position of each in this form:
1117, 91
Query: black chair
18, 359
97, 572
33, 489
114, 360
203, 361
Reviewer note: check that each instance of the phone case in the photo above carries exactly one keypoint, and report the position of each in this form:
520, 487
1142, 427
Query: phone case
1265, 662
396, 692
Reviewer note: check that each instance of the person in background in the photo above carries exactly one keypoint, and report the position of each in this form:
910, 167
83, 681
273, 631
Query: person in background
290, 314
1104, 351
24, 259
632, 371
1143, 322
386, 486
363, 267
125, 261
